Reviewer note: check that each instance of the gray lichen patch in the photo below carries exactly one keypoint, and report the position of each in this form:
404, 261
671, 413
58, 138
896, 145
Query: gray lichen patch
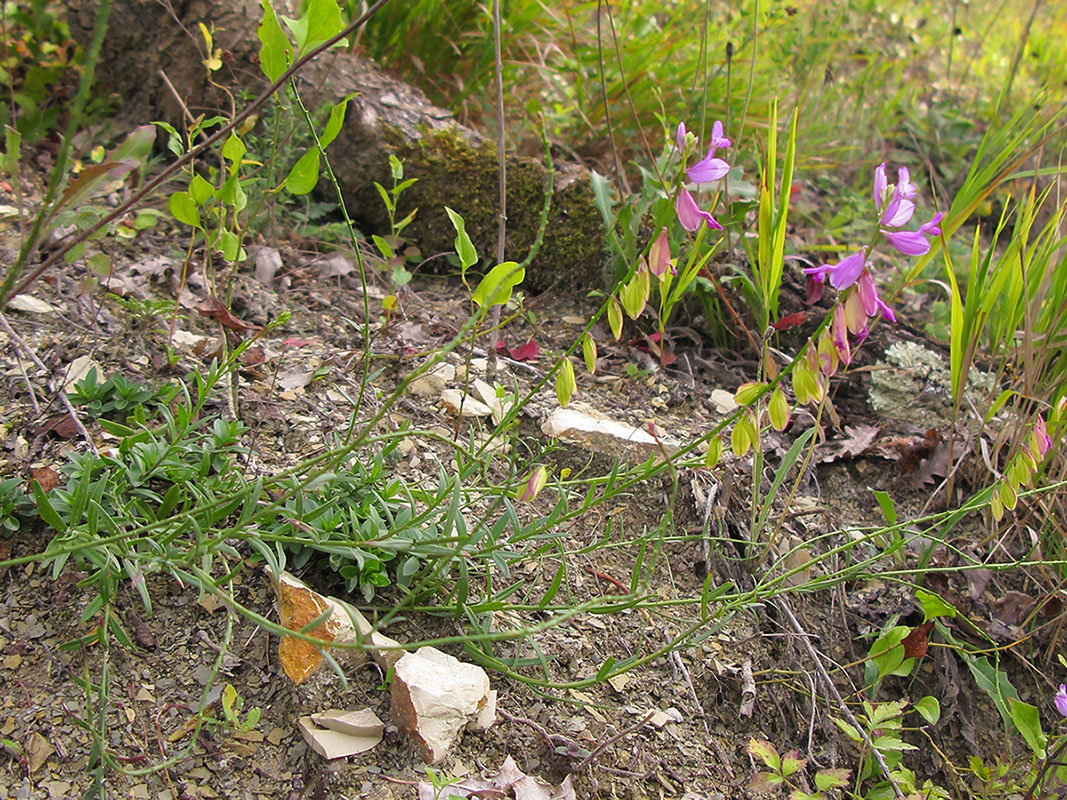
914, 383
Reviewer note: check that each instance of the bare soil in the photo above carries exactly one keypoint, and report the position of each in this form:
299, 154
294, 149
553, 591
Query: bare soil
746, 676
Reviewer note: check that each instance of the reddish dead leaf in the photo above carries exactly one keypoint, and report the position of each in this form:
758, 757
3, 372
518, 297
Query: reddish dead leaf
212, 309
814, 291
524, 352
253, 357
790, 321
293, 342
61, 425
47, 477
1013, 607
911, 451
916, 642
651, 344
141, 632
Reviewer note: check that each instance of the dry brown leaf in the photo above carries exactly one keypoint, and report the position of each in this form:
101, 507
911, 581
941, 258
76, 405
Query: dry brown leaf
916, 642
211, 308
47, 478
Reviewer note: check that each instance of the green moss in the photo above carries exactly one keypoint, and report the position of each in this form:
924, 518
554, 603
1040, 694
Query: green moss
451, 172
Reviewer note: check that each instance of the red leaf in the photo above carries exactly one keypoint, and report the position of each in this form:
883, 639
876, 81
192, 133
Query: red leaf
915, 643
524, 352
790, 321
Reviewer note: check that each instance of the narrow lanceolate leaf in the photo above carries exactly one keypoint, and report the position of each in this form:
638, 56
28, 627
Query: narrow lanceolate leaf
565, 383
468, 255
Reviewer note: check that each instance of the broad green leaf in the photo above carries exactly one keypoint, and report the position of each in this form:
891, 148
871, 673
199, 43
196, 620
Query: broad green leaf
634, 296
233, 151
743, 435
319, 22
304, 175
275, 52
201, 189
565, 382
183, 208
933, 605
832, 779
929, 709
792, 763
765, 752
1028, 722
496, 287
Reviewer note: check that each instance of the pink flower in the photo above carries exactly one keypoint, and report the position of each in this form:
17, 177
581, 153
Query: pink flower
839, 334
690, 214
659, 256
710, 168
679, 136
897, 209
914, 243
842, 274
872, 303
1061, 700
1044, 444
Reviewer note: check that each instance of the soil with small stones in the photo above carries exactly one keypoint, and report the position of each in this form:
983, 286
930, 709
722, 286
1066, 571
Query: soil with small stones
742, 675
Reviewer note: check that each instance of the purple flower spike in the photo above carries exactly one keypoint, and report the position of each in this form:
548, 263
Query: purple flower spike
659, 256
842, 274
839, 334
690, 214
1061, 700
1044, 444
902, 205
679, 137
868, 295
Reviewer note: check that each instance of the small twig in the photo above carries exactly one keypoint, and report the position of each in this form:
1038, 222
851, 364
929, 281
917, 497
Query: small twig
59, 392
603, 745
502, 216
829, 686
177, 97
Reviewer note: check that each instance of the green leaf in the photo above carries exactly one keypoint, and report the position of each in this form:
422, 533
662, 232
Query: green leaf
832, 779
46, 509
201, 189
334, 123
933, 605
634, 296
1028, 722
468, 255
765, 752
319, 22
743, 435
495, 288
565, 382
848, 730
304, 175
183, 208
233, 151
792, 763
885, 502
929, 709
275, 52
711, 458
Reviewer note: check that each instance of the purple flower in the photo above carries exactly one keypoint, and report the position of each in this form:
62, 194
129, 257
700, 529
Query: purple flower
868, 295
842, 274
710, 168
915, 243
839, 335
901, 205
679, 136
1061, 700
690, 214
717, 138
1044, 444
